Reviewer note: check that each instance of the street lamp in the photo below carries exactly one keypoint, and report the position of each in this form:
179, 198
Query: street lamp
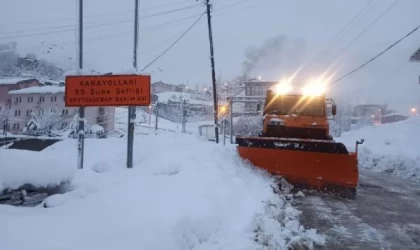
413, 110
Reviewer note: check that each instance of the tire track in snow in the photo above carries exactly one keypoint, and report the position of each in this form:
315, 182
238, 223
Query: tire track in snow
384, 215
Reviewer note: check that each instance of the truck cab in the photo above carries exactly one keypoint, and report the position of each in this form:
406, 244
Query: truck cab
296, 116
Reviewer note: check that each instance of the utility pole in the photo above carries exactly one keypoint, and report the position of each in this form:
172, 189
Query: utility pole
213, 74
231, 120
81, 132
184, 116
6, 126
132, 109
157, 116
150, 114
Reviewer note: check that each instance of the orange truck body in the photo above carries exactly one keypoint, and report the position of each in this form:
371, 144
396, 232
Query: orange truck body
295, 144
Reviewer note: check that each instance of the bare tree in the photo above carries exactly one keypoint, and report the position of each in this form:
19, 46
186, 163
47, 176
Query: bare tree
247, 125
5, 114
44, 122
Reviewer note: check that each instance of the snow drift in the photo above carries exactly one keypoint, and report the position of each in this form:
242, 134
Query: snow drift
391, 148
182, 193
39, 169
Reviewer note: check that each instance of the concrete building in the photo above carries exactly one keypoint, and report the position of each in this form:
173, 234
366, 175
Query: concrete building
9, 84
256, 88
41, 98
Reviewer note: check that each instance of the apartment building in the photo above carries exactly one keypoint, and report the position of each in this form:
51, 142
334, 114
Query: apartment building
38, 98
9, 84
256, 88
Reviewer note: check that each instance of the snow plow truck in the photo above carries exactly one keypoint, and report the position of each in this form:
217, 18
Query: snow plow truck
295, 143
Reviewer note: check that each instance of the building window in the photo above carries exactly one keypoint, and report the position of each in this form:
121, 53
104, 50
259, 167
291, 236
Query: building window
65, 112
17, 112
28, 112
16, 126
30, 98
53, 98
18, 100
41, 99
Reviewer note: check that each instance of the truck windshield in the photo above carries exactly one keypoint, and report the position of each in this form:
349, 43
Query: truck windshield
297, 105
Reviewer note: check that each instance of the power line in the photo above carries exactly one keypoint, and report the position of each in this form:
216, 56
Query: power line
173, 44
329, 46
233, 4
159, 26
126, 56
121, 21
378, 55
100, 25
343, 31
168, 24
152, 28
260, 3
98, 15
370, 8
366, 29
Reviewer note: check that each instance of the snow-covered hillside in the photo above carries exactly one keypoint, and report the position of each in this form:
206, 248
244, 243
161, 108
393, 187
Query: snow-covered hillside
392, 148
183, 193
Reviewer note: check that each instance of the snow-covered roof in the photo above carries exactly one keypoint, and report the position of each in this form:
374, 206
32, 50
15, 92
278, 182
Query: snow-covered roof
177, 97
394, 113
9, 81
39, 90
160, 82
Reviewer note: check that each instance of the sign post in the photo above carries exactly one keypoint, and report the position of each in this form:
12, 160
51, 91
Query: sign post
107, 90
132, 109
81, 128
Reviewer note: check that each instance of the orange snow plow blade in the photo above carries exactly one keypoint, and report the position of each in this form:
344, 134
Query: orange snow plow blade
317, 164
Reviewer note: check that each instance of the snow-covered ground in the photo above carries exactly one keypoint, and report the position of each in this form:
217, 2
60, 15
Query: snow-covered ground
177, 96
142, 121
183, 193
392, 148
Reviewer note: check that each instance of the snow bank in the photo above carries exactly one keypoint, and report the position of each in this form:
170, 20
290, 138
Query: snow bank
39, 169
392, 148
181, 194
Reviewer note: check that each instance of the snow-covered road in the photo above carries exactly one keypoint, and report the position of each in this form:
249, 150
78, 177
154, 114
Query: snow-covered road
385, 215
